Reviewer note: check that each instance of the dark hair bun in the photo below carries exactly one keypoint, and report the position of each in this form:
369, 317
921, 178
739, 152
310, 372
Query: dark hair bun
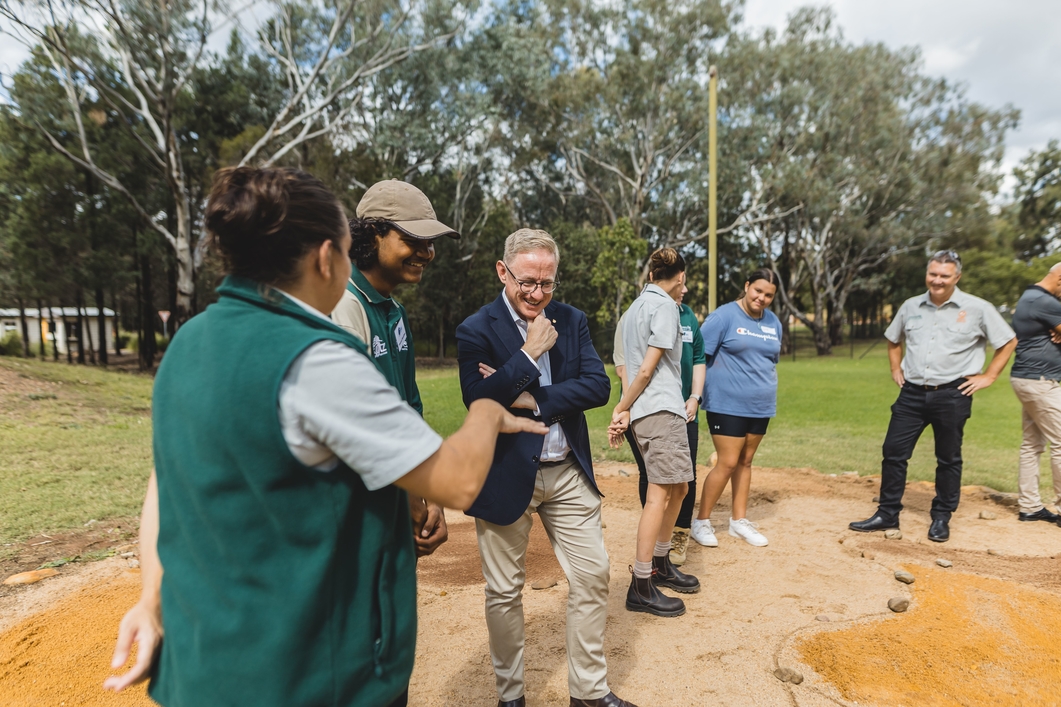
665, 264
263, 220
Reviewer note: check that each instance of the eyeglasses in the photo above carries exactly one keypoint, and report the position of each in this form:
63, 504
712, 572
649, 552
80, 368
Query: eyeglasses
528, 286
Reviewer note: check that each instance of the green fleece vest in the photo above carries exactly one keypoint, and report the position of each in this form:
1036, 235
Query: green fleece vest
283, 585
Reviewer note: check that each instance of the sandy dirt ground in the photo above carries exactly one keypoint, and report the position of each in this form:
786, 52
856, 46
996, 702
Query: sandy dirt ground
982, 632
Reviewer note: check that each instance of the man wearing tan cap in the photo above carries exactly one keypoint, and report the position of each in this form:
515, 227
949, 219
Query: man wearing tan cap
392, 242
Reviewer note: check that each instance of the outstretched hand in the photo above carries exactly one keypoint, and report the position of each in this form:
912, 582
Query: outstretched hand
141, 625
511, 424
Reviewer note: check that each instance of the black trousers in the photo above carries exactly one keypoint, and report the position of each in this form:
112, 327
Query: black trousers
946, 410
402, 700
685, 515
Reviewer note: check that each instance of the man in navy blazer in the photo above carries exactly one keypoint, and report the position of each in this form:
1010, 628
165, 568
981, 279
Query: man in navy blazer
535, 356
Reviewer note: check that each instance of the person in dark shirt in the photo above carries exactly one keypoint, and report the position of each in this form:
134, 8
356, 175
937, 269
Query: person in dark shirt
1035, 375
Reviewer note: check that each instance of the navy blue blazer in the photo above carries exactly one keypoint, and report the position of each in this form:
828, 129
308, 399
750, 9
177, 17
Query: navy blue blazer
579, 383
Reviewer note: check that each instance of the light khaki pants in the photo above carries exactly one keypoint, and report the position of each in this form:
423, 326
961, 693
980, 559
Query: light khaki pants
1041, 419
569, 509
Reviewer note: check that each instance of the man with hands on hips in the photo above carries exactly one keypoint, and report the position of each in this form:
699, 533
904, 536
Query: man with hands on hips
946, 332
535, 356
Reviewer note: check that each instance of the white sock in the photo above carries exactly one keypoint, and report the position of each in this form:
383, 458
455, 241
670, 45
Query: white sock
661, 549
642, 570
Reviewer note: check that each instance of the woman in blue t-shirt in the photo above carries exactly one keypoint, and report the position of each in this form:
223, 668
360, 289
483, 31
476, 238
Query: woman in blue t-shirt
742, 341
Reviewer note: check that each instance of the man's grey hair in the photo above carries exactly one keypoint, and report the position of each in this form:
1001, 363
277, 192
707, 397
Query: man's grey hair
944, 257
526, 240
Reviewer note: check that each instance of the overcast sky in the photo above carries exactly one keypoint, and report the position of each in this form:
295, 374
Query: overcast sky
1003, 52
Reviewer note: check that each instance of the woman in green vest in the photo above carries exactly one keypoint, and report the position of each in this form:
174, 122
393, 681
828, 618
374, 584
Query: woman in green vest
276, 545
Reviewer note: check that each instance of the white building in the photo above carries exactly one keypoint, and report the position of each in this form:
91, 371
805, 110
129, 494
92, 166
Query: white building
63, 316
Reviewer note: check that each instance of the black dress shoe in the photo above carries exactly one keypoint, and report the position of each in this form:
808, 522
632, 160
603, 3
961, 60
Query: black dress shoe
609, 700
665, 574
939, 531
521, 702
1041, 514
643, 596
873, 523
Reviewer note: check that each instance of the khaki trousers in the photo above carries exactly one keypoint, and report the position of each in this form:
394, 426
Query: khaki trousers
1041, 419
569, 509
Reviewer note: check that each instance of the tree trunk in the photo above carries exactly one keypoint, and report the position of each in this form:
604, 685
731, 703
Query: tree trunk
40, 326
441, 338
836, 325
66, 336
25, 327
147, 316
117, 324
822, 343
54, 332
80, 330
184, 285
101, 327
87, 330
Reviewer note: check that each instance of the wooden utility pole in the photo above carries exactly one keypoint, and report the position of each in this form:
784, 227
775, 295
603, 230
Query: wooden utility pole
712, 189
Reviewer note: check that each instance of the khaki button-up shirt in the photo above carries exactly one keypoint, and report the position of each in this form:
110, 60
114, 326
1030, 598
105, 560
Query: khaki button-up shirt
947, 342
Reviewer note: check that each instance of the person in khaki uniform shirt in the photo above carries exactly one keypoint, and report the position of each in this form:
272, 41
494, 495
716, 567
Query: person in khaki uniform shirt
1034, 377
393, 238
946, 332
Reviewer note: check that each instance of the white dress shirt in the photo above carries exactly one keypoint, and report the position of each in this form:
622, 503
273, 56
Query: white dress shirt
555, 448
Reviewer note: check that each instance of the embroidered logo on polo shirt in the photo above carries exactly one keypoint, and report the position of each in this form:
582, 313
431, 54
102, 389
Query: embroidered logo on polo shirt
378, 347
401, 339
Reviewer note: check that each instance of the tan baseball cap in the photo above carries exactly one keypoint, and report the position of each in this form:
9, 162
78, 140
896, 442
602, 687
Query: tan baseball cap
406, 207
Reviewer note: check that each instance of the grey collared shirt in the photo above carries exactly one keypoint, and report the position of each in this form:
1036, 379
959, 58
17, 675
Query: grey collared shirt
555, 447
947, 342
654, 320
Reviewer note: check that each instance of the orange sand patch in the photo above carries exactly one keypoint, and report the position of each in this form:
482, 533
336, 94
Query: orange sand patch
966, 640
61, 656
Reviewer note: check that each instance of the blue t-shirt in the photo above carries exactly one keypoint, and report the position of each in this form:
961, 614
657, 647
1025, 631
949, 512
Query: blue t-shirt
742, 355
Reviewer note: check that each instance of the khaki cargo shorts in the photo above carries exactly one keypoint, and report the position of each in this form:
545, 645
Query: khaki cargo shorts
664, 443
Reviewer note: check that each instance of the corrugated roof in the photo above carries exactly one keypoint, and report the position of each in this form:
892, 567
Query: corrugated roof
58, 312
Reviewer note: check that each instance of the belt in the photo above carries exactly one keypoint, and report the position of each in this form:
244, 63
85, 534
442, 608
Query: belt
953, 384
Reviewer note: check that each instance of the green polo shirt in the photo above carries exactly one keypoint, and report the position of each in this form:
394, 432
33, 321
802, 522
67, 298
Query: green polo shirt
692, 348
388, 336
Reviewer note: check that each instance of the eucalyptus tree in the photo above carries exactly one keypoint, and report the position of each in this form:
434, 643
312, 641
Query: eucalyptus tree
880, 159
136, 62
1038, 196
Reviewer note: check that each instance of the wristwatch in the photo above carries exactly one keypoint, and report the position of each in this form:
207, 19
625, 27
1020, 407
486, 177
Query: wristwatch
699, 398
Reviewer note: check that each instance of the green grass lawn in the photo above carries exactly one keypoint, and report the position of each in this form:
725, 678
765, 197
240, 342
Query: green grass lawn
80, 447
832, 415
76, 448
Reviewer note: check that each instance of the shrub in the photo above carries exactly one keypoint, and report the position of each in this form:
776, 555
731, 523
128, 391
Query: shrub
11, 345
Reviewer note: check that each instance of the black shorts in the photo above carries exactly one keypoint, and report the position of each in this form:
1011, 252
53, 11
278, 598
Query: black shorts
735, 426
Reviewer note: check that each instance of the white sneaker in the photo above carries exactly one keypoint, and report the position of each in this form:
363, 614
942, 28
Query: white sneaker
746, 529
703, 533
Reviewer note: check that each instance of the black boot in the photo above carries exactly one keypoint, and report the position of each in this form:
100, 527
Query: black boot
643, 596
665, 574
